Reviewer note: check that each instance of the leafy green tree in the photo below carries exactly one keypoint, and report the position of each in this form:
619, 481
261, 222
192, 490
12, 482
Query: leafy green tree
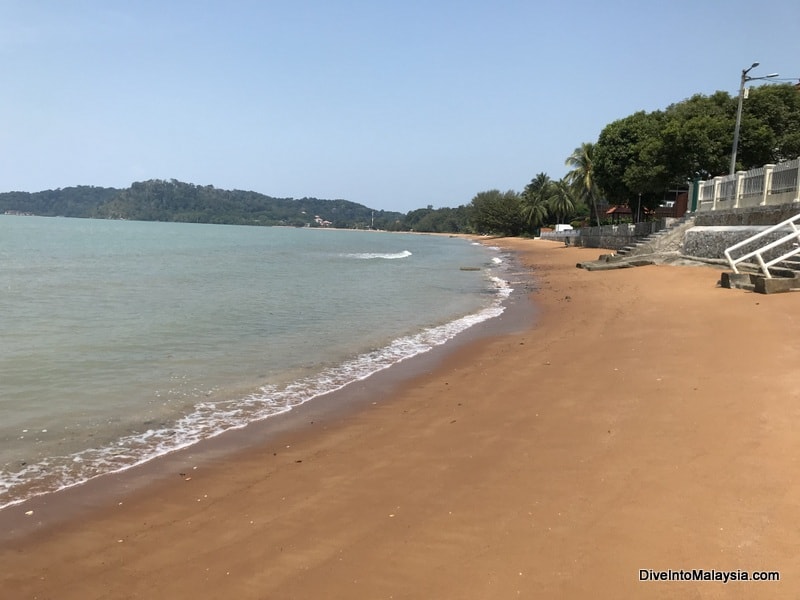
496, 212
649, 153
770, 129
696, 137
438, 220
415, 218
628, 159
581, 177
535, 200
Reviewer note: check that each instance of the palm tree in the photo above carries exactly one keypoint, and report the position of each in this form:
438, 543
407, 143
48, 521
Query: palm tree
562, 199
581, 177
535, 200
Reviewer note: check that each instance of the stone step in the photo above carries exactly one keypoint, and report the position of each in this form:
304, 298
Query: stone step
791, 263
652, 239
759, 284
602, 265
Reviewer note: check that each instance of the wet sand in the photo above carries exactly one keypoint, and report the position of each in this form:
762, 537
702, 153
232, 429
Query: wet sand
647, 421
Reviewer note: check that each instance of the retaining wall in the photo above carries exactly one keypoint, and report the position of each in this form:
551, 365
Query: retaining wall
761, 215
612, 237
712, 241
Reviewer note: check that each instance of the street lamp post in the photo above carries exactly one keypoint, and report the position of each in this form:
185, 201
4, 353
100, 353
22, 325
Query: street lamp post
745, 79
639, 208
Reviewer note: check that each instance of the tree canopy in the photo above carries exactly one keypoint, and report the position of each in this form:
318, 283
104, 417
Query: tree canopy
648, 153
536, 200
496, 212
581, 177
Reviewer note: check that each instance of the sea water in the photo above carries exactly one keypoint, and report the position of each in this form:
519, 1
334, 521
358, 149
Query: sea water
121, 341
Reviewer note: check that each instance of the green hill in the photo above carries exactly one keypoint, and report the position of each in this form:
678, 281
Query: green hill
158, 200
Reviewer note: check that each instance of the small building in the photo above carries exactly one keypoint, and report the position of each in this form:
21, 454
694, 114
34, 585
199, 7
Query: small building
617, 212
321, 222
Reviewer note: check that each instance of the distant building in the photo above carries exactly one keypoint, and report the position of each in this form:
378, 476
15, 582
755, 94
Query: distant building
321, 222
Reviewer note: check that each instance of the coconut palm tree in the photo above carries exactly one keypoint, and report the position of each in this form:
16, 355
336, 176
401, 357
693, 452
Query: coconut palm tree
581, 176
561, 200
535, 200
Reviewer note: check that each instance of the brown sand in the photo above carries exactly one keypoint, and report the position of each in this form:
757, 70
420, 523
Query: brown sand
648, 421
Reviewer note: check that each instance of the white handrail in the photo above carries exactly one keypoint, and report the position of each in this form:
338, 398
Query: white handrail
794, 234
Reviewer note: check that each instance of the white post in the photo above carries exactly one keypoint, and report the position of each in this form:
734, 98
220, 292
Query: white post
797, 182
717, 181
768, 169
739, 189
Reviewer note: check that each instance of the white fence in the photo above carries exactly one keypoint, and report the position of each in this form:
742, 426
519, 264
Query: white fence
765, 186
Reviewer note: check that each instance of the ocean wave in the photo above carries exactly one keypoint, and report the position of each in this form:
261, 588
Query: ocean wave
212, 418
386, 256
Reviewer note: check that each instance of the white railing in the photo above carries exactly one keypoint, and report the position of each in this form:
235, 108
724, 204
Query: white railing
793, 235
705, 199
765, 186
753, 183
784, 177
727, 189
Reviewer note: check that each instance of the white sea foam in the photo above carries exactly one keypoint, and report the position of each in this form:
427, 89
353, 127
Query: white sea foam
210, 419
386, 256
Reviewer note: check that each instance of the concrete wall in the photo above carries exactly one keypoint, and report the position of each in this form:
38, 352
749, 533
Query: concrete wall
717, 230
760, 215
714, 231
612, 237
712, 241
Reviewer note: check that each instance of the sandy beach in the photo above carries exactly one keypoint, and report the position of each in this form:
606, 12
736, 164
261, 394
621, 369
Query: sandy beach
646, 422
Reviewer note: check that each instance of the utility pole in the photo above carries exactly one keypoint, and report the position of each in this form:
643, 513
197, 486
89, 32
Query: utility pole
744, 80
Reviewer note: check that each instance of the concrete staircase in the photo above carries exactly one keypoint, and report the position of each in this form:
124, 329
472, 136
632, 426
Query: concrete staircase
792, 265
785, 278
666, 240
751, 279
661, 246
776, 250
670, 245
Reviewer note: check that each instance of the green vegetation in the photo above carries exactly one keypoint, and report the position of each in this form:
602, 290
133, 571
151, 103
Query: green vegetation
645, 155
158, 200
640, 157
78, 201
535, 199
581, 177
650, 153
497, 212
441, 220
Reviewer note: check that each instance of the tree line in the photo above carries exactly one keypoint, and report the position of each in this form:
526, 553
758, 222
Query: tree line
159, 200
639, 158
176, 201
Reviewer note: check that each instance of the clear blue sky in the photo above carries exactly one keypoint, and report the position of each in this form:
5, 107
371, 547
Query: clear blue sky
392, 104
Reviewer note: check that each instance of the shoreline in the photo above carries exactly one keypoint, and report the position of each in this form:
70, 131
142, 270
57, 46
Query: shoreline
76, 501
645, 420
